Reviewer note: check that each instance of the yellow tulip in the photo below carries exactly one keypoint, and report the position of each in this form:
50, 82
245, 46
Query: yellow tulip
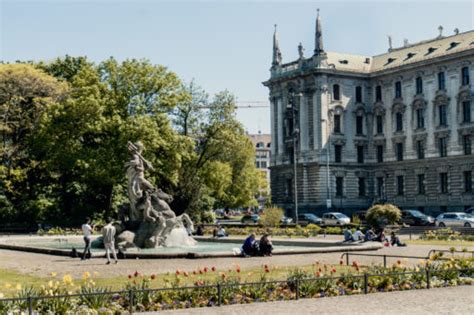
8, 285
54, 274
50, 283
86, 275
18, 286
1, 295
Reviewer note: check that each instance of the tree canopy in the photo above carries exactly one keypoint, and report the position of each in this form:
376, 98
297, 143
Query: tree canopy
65, 126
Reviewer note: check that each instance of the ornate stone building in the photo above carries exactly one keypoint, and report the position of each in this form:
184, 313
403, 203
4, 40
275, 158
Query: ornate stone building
262, 143
396, 127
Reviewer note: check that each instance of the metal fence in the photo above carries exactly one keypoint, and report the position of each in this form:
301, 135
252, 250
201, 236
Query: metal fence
130, 296
384, 256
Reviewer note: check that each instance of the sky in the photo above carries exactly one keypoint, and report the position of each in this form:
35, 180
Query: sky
221, 44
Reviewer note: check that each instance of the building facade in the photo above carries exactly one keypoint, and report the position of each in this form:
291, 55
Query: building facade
396, 127
262, 145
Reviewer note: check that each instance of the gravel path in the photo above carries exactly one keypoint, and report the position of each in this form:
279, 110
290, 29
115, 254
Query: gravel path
454, 300
43, 265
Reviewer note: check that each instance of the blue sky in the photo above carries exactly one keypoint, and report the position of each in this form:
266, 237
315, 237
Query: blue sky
222, 44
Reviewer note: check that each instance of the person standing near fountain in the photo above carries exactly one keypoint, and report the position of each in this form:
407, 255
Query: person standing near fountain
108, 234
87, 230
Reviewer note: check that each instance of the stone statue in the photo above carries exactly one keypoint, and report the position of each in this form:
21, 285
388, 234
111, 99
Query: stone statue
151, 220
389, 42
301, 51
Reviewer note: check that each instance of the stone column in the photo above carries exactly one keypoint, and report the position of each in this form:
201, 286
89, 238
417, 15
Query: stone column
304, 140
273, 128
280, 125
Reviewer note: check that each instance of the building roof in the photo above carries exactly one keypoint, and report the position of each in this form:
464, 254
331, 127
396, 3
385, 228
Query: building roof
397, 57
257, 138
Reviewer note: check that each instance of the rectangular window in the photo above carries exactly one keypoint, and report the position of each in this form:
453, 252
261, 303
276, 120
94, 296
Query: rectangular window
378, 93
400, 185
398, 89
379, 123
466, 143
399, 151
257, 164
358, 94
421, 184
337, 123
468, 181
361, 186
263, 164
441, 81
420, 149
335, 92
442, 115
465, 76
419, 85
420, 118
360, 154
466, 111
359, 125
380, 153
339, 186
443, 182
338, 153
380, 190
442, 147
399, 122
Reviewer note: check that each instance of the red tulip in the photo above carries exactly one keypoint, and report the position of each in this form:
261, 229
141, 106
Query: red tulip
152, 277
205, 269
213, 268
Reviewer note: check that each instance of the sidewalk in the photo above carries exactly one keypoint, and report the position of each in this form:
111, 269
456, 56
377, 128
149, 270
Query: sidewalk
454, 300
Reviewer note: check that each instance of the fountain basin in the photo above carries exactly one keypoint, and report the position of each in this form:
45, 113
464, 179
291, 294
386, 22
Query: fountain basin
206, 247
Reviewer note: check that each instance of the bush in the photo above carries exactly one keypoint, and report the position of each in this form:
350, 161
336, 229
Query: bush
379, 216
207, 217
271, 217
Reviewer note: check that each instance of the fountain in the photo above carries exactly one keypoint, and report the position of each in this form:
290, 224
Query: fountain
149, 221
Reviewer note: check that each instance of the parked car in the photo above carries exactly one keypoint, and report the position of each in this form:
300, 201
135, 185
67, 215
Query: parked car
250, 218
335, 218
455, 219
470, 211
416, 218
286, 220
308, 218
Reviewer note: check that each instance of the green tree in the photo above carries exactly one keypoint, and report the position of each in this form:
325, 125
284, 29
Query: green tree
379, 216
25, 94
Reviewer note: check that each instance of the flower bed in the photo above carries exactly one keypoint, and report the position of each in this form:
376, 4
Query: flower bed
210, 287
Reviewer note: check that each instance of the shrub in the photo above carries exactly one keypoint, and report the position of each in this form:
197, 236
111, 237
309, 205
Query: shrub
379, 216
271, 217
208, 217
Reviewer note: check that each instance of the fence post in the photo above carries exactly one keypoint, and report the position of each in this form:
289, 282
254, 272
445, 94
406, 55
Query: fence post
385, 261
366, 283
428, 276
219, 294
347, 258
130, 296
297, 284
30, 305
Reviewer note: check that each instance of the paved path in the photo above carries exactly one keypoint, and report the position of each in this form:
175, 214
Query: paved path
43, 265
455, 300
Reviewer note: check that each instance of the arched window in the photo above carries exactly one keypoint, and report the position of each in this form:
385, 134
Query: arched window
260, 145
336, 96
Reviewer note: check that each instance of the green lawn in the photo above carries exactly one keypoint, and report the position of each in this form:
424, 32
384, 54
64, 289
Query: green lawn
459, 244
9, 279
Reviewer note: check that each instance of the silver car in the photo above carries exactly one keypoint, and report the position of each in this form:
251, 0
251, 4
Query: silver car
335, 218
455, 219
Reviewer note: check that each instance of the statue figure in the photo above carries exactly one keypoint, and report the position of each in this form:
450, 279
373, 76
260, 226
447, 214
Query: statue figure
301, 51
389, 42
149, 206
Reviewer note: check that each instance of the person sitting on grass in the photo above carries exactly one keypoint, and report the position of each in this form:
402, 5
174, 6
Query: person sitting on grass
250, 247
358, 235
348, 237
266, 246
395, 240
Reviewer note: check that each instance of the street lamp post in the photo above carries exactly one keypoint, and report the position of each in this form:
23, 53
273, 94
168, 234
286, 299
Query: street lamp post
295, 135
328, 193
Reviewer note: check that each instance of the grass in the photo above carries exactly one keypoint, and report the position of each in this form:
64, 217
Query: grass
441, 243
10, 278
